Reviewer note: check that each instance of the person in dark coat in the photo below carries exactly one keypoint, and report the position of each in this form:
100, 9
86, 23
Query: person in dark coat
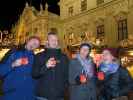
112, 77
50, 69
82, 75
16, 72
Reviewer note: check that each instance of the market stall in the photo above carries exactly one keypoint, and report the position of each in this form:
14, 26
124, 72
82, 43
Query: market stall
126, 57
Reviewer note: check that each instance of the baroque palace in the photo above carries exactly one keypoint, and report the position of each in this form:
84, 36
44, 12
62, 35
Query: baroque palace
101, 22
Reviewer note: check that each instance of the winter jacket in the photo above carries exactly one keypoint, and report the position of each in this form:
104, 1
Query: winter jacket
80, 91
17, 82
125, 81
115, 84
51, 83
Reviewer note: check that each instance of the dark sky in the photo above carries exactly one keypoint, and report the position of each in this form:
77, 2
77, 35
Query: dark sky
10, 10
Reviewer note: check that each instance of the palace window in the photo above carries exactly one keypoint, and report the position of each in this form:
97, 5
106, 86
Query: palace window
100, 30
100, 2
122, 29
70, 11
83, 5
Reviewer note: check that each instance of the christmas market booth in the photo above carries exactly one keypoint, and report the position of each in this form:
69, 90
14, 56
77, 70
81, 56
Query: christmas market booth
126, 54
126, 58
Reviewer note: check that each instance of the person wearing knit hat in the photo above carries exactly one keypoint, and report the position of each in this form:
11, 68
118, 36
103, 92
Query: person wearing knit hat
112, 51
81, 75
113, 75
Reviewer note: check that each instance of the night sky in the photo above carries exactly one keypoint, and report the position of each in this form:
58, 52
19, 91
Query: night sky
10, 10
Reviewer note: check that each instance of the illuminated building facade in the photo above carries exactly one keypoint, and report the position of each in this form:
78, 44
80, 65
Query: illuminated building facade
102, 22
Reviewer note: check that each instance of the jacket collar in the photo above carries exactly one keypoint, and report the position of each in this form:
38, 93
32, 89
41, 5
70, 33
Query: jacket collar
53, 51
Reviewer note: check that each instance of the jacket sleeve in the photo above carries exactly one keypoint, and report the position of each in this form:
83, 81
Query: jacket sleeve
72, 73
66, 70
5, 67
38, 69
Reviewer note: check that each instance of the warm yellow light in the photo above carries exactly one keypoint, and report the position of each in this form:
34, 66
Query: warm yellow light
131, 53
3, 52
130, 69
38, 51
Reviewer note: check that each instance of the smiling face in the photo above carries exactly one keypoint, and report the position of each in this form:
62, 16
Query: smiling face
107, 56
84, 52
33, 44
53, 41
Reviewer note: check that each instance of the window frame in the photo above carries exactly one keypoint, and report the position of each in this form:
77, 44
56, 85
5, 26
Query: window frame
70, 10
83, 5
99, 2
122, 29
100, 30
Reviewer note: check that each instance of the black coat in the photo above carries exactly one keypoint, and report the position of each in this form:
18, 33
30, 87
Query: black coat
109, 87
114, 85
80, 91
51, 82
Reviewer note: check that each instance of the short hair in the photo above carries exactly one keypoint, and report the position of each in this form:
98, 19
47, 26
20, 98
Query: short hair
86, 44
52, 33
34, 37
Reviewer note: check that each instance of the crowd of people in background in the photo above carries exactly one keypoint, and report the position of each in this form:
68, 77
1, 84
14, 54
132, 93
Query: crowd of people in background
51, 75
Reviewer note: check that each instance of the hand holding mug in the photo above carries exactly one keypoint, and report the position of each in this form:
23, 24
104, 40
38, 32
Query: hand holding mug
83, 79
101, 76
24, 61
19, 62
51, 63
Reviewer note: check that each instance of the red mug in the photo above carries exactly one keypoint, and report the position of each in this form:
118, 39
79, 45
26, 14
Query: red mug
24, 61
101, 76
83, 78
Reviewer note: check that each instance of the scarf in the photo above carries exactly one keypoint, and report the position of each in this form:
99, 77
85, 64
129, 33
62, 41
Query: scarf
87, 66
109, 68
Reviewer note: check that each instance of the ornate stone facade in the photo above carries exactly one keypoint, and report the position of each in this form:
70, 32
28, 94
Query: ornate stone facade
33, 22
107, 14
80, 25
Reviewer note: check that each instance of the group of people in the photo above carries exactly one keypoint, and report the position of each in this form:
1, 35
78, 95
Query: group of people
50, 75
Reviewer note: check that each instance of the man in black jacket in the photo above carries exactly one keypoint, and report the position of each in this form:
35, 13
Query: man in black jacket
50, 69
